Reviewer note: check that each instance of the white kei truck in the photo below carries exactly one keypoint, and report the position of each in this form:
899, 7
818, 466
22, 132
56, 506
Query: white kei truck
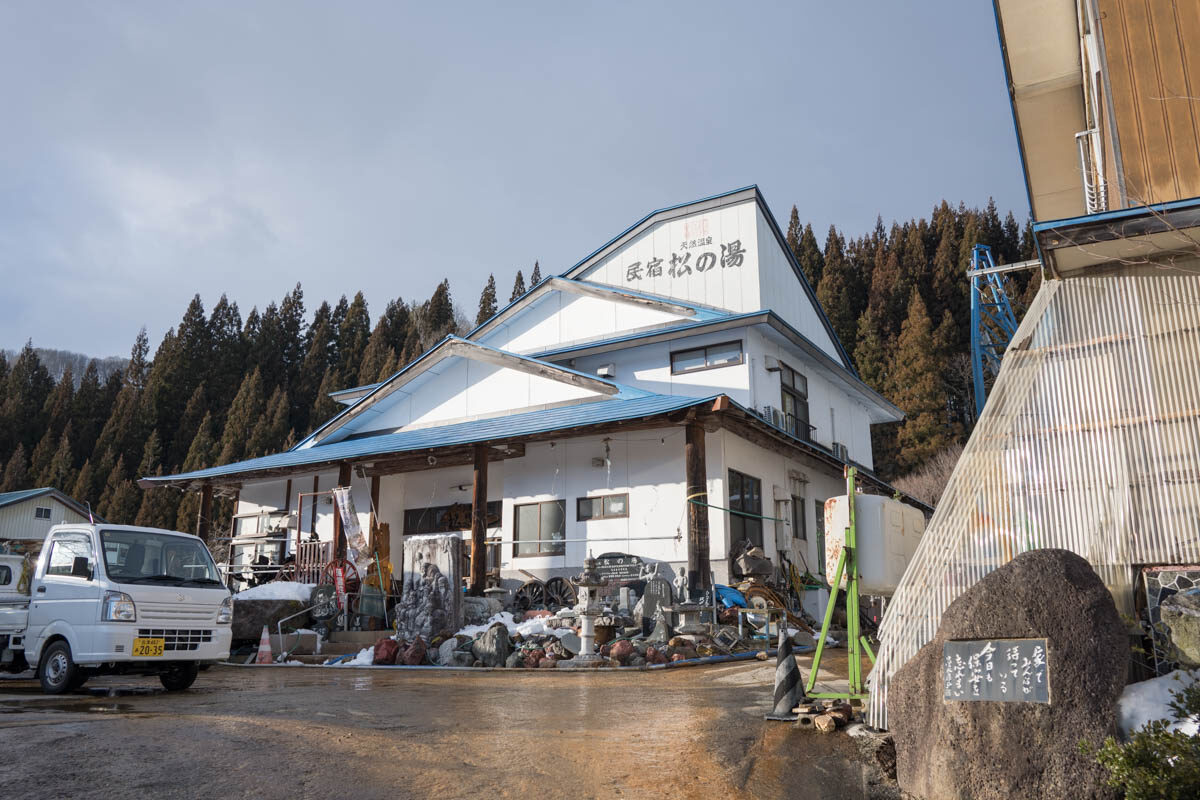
114, 599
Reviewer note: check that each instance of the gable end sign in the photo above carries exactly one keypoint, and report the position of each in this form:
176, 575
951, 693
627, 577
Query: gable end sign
1003, 670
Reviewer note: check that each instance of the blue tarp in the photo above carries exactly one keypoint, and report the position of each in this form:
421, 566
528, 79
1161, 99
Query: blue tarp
730, 597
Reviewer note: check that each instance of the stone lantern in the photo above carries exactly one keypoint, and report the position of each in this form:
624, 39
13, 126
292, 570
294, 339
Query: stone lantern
591, 582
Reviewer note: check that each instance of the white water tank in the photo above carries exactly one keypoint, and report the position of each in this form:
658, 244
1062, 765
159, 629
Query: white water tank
887, 532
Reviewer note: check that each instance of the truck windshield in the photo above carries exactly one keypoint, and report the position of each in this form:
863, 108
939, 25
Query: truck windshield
143, 557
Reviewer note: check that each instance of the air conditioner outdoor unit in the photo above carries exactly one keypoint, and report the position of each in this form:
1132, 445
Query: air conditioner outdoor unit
840, 452
772, 415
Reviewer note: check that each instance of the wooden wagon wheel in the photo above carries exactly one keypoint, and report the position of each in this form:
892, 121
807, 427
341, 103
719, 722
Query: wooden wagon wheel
353, 581
531, 594
559, 593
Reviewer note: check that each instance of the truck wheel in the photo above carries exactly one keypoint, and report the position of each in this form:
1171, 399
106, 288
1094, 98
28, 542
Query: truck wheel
179, 676
57, 671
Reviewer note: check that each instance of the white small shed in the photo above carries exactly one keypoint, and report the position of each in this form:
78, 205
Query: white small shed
28, 514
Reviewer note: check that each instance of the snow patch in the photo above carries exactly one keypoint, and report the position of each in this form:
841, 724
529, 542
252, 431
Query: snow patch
1143, 702
278, 590
365, 658
530, 627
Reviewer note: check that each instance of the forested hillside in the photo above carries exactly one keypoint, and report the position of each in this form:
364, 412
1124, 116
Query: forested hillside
58, 362
220, 388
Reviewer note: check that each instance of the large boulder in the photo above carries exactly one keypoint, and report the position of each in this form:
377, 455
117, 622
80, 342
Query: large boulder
478, 610
992, 749
1181, 614
493, 647
249, 616
414, 654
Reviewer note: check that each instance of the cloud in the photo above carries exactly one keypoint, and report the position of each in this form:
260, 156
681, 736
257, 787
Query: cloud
155, 150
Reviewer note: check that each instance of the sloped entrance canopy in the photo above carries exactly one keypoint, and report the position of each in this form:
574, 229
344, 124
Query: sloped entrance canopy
1089, 442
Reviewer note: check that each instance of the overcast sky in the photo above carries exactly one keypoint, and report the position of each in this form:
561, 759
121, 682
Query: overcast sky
153, 150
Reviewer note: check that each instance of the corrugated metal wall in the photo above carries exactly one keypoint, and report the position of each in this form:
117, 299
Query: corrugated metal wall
1089, 442
18, 521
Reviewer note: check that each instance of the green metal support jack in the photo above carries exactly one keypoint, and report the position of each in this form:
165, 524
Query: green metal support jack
856, 643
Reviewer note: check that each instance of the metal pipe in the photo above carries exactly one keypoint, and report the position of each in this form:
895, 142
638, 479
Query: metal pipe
279, 628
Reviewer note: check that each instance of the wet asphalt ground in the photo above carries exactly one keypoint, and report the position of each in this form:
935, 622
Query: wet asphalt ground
294, 732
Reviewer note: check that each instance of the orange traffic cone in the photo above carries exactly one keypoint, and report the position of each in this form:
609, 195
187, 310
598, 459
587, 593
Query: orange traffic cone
264, 648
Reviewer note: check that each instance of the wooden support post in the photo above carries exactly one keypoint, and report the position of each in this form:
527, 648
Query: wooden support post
698, 569
204, 518
339, 535
312, 524
479, 523
374, 545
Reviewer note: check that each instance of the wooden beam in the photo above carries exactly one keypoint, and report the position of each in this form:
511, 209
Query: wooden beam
204, 518
457, 457
698, 569
479, 523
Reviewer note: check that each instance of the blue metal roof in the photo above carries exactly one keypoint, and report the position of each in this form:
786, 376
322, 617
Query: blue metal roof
497, 428
8, 498
683, 325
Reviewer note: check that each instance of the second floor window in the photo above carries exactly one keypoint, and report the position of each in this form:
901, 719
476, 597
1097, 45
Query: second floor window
794, 402
712, 356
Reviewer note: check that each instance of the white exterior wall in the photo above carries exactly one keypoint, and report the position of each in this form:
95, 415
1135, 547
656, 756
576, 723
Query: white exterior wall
646, 465
849, 422
256, 498
649, 367
781, 291
268, 495
391, 510
17, 520
775, 470
561, 318
458, 389
733, 288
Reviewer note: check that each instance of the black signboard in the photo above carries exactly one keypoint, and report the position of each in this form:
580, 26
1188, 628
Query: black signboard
1004, 670
619, 567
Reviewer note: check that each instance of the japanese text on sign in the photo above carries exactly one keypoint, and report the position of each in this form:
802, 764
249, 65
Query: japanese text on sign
1008, 670
688, 261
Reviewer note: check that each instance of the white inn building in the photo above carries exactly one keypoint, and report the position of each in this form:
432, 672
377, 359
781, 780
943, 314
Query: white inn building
682, 372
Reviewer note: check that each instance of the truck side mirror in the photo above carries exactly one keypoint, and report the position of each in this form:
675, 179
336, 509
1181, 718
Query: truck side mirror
80, 568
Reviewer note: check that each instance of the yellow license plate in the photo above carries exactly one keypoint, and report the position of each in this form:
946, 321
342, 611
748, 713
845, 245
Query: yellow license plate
148, 648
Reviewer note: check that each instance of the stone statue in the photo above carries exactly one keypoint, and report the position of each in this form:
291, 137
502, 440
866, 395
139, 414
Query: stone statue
681, 585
